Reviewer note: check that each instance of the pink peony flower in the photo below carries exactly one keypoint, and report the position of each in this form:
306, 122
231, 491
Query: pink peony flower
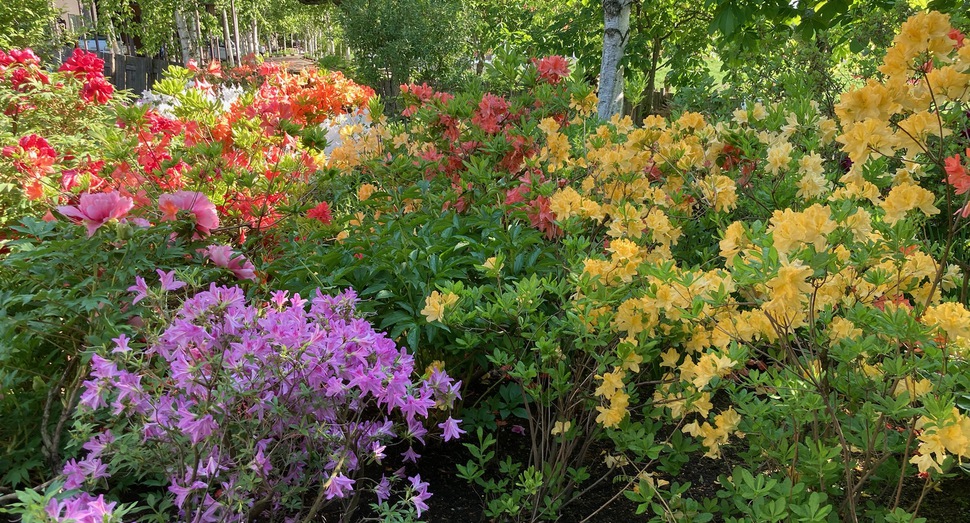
196, 203
223, 256
96, 209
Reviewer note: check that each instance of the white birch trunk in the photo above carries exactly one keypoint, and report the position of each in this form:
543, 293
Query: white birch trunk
616, 21
255, 36
197, 34
227, 39
235, 29
185, 41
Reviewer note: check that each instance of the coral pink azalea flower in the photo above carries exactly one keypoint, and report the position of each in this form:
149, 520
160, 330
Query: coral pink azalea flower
196, 203
96, 209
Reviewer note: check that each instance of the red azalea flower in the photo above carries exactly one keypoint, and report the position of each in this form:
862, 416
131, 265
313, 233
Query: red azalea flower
84, 63
552, 69
321, 213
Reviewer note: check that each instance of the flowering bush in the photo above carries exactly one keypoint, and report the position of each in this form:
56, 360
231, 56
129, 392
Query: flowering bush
246, 408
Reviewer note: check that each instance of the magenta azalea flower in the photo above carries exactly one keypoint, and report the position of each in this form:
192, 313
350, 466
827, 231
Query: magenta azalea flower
96, 209
196, 203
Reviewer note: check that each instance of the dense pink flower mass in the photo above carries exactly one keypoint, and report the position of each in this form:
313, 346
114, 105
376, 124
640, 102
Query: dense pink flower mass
316, 388
96, 209
196, 203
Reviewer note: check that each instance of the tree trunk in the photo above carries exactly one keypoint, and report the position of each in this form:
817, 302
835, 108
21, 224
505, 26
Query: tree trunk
227, 39
616, 21
255, 36
235, 29
197, 32
652, 77
185, 42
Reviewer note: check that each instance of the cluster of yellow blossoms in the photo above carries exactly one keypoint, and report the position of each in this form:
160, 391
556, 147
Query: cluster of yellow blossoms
702, 314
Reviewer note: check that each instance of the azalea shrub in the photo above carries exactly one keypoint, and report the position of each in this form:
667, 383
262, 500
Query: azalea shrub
249, 409
63, 286
781, 295
733, 284
49, 127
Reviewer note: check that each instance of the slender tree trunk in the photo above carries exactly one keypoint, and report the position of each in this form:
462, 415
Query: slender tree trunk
185, 42
227, 39
616, 20
652, 77
197, 32
235, 29
255, 36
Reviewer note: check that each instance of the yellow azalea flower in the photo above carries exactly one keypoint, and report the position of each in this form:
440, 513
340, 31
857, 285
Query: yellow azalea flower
632, 362
874, 101
779, 156
904, 198
951, 318
791, 229
436, 365
365, 191
758, 112
915, 388
612, 382
827, 129
436, 303
741, 116
949, 84
560, 427
624, 249
789, 288
692, 120
733, 241
564, 203
862, 138
549, 125
841, 328
914, 130
720, 191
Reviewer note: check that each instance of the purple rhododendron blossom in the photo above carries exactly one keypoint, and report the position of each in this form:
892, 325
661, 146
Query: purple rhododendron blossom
340, 486
450, 429
83, 508
421, 494
253, 402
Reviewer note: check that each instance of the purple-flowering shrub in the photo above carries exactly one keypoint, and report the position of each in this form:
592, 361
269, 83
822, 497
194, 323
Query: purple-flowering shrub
247, 409
83, 508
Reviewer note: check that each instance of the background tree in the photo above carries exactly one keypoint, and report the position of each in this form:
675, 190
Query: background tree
25, 23
397, 41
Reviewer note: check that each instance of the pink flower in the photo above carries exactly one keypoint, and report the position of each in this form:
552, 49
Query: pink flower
97, 209
196, 203
223, 256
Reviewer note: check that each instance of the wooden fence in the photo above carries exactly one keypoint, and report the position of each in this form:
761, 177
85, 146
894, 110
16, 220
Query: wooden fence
135, 73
